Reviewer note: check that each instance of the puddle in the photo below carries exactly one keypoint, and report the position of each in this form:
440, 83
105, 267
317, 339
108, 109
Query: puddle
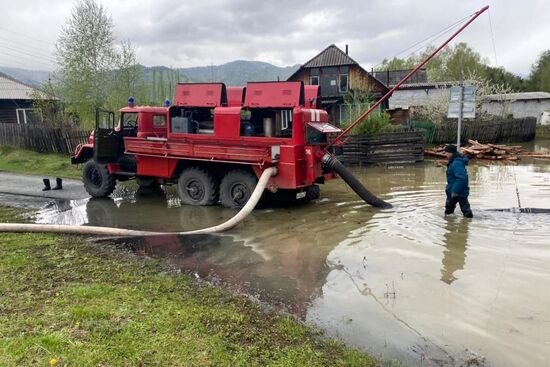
406, 283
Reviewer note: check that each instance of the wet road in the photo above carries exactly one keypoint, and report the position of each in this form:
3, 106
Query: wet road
27, 185
406, 283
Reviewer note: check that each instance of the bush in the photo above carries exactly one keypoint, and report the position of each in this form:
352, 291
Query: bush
376, 122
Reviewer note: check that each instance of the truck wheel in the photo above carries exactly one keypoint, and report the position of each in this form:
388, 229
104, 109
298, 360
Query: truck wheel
97, 180
313, 193
236, 188
147, 182
197, 186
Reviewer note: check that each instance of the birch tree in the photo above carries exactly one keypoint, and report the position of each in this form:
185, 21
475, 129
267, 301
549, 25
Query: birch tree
85, 58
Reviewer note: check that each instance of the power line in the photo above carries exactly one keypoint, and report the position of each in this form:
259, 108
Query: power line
31, 48
27, 51
435, 35
430, 38
28, 55
21, 58
29, 37
37, 60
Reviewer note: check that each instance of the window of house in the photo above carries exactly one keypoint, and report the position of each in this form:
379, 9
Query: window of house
159, 120
314, 80
343, 83
28, 115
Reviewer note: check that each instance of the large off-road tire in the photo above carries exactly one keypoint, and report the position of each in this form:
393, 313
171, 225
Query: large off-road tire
313, 193
97, 180
197, 186
237, 187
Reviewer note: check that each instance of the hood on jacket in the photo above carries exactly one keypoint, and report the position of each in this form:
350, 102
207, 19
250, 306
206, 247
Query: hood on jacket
459, 157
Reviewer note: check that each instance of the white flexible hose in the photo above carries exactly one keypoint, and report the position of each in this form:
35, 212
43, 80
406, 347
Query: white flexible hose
118, 232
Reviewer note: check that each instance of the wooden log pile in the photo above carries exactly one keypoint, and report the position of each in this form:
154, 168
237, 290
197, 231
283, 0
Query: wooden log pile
483, 151
536, 155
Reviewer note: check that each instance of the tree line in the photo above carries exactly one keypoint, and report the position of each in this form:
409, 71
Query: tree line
95, 71
459, 62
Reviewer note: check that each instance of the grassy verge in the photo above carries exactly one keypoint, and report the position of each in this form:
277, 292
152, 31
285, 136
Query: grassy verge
26, 161
84, 304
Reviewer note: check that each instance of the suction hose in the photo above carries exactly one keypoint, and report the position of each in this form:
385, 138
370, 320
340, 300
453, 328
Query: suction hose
118, 232
336, 166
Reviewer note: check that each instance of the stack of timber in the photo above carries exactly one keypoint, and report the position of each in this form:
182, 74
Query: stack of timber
536, 155
483, 151
386, 148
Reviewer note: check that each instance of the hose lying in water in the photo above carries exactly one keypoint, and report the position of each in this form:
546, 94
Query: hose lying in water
118, 232
336, 166
523, 210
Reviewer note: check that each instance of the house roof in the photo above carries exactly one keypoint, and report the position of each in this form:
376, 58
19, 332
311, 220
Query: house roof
330, 56
11, 88
333, 56
524, 96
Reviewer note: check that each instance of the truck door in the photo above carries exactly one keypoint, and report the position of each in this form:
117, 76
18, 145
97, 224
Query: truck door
107, 140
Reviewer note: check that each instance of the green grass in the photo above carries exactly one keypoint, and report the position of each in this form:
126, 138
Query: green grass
96, 305
26, 161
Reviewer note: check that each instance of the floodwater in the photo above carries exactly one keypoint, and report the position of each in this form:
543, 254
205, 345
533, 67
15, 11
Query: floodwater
407, 283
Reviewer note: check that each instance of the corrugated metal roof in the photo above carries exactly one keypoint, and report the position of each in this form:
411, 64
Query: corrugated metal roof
523, 96
428, 85
10, 88
330, 56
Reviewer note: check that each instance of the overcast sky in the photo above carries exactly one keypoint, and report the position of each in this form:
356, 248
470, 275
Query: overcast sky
286, 32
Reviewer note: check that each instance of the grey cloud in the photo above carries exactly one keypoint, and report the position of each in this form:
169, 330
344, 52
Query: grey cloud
286, 32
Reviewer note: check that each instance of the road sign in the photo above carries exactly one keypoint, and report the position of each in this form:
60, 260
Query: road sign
462, 99
462, 104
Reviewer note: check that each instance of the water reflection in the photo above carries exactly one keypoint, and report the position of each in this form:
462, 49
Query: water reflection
286, 278
456, 243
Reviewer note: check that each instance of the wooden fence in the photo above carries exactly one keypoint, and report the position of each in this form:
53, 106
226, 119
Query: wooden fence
42, 138
511, 130
389, 148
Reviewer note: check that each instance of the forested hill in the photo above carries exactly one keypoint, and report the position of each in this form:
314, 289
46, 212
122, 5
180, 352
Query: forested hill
232, 73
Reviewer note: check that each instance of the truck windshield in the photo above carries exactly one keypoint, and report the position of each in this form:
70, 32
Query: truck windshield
129, 119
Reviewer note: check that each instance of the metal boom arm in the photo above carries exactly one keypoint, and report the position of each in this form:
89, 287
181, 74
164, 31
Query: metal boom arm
395, 87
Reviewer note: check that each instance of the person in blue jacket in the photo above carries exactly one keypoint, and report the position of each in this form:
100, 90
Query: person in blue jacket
457, 189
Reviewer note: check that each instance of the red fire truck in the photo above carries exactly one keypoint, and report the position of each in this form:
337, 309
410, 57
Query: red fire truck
213, 142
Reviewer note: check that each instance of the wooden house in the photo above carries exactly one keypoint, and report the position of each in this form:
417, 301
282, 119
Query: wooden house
338, 74
16, 101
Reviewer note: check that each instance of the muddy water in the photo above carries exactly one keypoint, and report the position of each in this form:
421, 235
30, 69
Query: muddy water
406, 283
